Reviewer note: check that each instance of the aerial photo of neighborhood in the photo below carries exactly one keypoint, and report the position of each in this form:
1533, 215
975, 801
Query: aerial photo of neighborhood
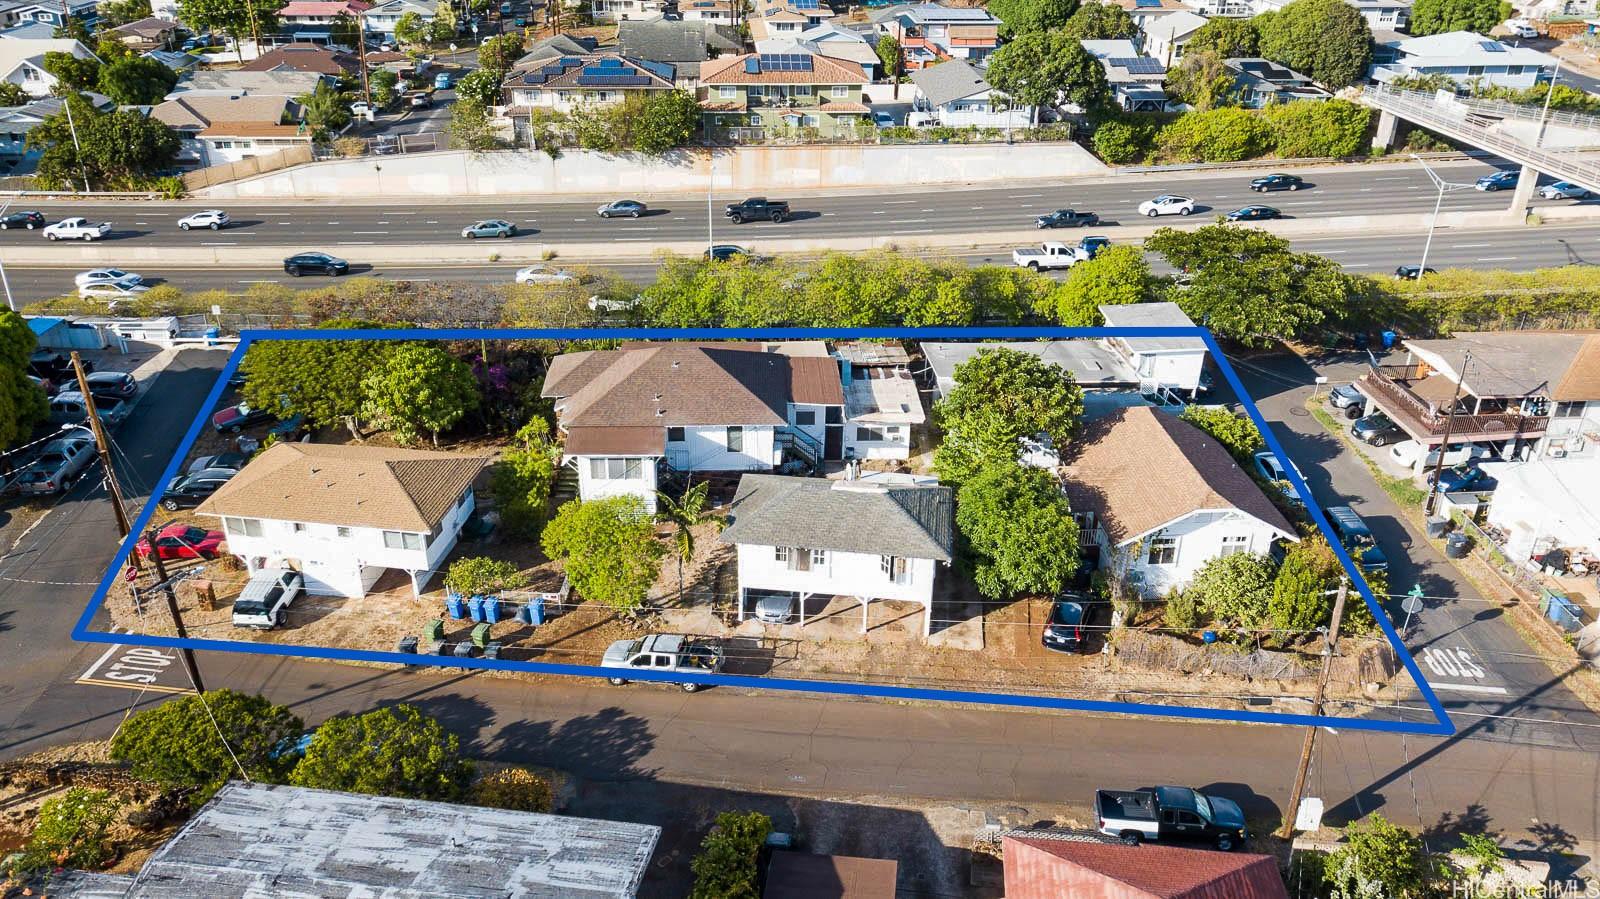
800, 449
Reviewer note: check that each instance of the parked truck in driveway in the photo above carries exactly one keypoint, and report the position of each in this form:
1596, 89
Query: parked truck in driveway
1052, 254
1177, 814
663, 653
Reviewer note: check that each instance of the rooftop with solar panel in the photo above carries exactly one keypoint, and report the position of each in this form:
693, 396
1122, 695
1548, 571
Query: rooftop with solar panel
600, 71
1123, 62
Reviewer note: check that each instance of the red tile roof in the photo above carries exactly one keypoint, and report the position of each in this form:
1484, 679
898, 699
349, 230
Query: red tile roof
1044, 868
825, 70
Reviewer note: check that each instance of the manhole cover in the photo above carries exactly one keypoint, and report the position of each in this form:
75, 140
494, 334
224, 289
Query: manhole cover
1296, 410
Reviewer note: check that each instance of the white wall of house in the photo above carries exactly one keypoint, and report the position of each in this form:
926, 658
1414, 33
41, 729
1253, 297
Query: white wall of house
626, 10
602, 477
569, 100
863, 440
220, 150
1178, 371
978, 111
1194, 541
813, 425
706, 448
34, 80
835, 573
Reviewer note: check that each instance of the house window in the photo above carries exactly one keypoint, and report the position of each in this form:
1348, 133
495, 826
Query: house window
1163, 550
1235, 544
674, 435
1569, 409
342, 532
865, 435
298, 527
841, 92
819, 558
806, 417
802, 90
727, 92
29, 73
894, 568
401, 540
810, 121
736, 440
616, 469
248, 527
796, 558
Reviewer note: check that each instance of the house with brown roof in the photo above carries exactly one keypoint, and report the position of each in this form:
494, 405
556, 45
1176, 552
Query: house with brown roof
634, 417
305, 57
1048, 865
216, 129
342, 515
1159, 498
563, 83
760, 95
148, 33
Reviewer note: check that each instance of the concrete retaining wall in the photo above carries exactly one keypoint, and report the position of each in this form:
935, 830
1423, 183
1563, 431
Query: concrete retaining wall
756, 170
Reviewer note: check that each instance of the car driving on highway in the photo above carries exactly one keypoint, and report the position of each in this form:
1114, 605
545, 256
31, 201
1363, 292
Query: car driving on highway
1066, 218
489, 228
77, 228
110, 290
215, 219
1253, 214
315, 263
622, 209
1412, 272
1167, 204
544, 274
1276, 182
1564, 190
28, 219
727, 252
1497, 181
106, 276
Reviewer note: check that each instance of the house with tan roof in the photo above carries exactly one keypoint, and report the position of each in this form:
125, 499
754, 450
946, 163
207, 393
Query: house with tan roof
931, 32
304, 56
772, 19
148, 33
342, 515
1048, 864
759, 95
1159, 498
215, 129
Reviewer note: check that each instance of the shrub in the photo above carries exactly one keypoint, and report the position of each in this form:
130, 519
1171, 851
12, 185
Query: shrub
1236, 588
394, 751
1226, 134
71, 831
726, 865
180, 743
517, 789
1237, 434
1309, 128
1182, 612
1119, 142
480, 575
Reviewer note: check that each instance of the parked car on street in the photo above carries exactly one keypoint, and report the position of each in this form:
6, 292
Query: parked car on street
419, 100
225, 461
490, 228
77, 228
1167, 204
266, 596
1463, 478
1356, 537
56, 468
1170, 813
663, 654
1522, 28
215, 219
1564, 190
106, 276
1276, 181
757, 209
1405, 454
543, 274
442, 81
236, 418
1253, 214
1412, 272
70, 408
118, 384
28, 219
182, 541
315, 263
622, 209
1497, 180
1066, 218
1377, 429
1269, 467
190, 490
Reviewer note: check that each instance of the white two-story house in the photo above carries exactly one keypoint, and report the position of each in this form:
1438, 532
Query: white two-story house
341, 515
1171, 363
1157, 498
631, 417
812, 537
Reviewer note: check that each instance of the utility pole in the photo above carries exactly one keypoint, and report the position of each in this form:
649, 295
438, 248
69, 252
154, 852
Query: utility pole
165, 586
1292, 810
1443, 187
103, 447
1544, 116
1449, 426
77, 148
361, 49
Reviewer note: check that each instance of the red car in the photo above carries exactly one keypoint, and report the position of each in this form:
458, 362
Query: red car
182, 541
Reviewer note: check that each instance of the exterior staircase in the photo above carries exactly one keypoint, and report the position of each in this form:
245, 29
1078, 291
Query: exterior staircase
565, 487
800, 447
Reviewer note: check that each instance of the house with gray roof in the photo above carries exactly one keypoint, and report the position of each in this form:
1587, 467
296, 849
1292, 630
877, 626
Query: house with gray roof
684, 45
954, 95
1135, 80
1262, 82
870, 540
930, 32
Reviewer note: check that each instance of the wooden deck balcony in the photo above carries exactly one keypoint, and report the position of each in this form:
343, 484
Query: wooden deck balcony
1425, 420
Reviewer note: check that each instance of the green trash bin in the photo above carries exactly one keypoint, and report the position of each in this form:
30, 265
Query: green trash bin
480, 635
434, 630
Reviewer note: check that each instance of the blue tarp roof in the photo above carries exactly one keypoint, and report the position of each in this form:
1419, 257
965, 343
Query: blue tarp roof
40, 325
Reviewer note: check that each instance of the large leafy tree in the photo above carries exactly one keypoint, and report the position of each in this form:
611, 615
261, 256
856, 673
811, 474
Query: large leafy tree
1326, 39
1248, 286
186, 742
394, 751
520, 481
115, 13
12, 94
1440, 16
1225, 37
136, 81
1309, 128
120, 149
1235, 589
1223, 134
666, 120
1202, 80
609, 547
1001, 397
1123, 140
72, 72
1098, 21
318, 379
411, 30
1042, 68
888, 50
500, 52
480, 86
1017, 530
22, 403
418, 389
1300, 591
1116, 276
727, 866
234, 18
325, 111
1022, 16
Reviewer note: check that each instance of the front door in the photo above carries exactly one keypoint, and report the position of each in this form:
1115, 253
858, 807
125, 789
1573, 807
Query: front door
678, 459
833, 442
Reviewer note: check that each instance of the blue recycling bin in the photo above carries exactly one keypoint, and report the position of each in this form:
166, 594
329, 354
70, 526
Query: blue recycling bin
454, 605
536, 611
1208, 637
475, 608
491, 609
1388, 340
211, 336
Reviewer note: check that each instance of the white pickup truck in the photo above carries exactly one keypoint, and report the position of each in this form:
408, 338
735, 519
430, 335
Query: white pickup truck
78, 228
1051, 254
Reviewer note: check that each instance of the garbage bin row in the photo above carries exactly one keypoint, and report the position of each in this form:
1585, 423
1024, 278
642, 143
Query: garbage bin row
489, 608
433, 634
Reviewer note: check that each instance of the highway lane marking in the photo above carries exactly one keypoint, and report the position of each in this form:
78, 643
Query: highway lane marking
879, 212
898, 202
1468, 688
159, 214
1470, 246
378, 232
136, 223
355, 243
524, 221
1357, 265
1394, 178
260, 281
927, 210
333, 223
369, 232
1333, 252
915, 222
633, 238
430, 222
913, 231
1021, 196
1497, 259
214, 243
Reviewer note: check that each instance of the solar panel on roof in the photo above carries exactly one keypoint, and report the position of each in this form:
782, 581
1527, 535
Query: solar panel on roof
612, 81
752, 66
570, 61
806, 4
1493, 46
785, 62
1147, 4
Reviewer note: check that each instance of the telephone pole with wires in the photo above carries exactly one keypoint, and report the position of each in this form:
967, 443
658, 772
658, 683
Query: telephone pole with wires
103, 449
164, 584
1292, 810
1436, 488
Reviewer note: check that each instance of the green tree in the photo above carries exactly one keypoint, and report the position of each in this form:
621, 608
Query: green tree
325, 111
1378, 858
1225, 38
1235, 432
520, 481
666, 119
1236, 589
71, 832
609, 545
1312, 128
1224, 134
1300, 591
1100, 22
1001, 397
725, 867
888, 50
192, 741
480, 87
393, 751
1247, 286
443, 27
501, 52
411, 31
384, 85
345, 31
75, 29
685, 514
1181, 612
121, 150
515, 789
1023, 16
1440, 16
72, 73
12, 94
116, 13
470, 127
1482, 856
1116, 276
318, 379
1017, 529
110, 49
239, 21
1121, 141
1326, 39
1038, 68
1204, 82
483, 576
419, 388
137, 81
22, 402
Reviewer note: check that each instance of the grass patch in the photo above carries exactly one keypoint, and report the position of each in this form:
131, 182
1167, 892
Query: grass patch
1401, 490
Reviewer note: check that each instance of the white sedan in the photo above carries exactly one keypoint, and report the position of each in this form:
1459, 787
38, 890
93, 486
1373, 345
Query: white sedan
108, 290
215, 219
544, 274
106, 276
1167, 204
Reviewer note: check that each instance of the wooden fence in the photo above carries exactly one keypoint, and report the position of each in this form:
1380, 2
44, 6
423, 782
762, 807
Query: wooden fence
244, 168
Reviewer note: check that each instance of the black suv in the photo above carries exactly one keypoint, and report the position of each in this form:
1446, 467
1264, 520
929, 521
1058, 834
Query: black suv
304, 263
193, 489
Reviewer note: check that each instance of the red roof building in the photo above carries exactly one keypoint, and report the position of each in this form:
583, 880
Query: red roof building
1045, 866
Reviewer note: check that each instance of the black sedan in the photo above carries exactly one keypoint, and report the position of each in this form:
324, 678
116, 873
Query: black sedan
1253, 214
193, 489
1377, 429
1276, 182
1412, 272
29, 220
315, 263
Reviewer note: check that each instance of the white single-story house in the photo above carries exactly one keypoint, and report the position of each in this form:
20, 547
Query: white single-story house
340, 515
1544, 504
1173, 363
954, 95
1164, 38
810, 537
22, 62
1160, 498
381, 19
1467, 57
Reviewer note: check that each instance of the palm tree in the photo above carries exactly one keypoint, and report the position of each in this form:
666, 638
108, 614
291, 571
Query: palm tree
686, 512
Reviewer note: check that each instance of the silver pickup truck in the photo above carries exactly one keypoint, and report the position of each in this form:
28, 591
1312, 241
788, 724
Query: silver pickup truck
664, 654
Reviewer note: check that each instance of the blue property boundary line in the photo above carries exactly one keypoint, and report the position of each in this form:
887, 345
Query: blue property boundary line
1442, 725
